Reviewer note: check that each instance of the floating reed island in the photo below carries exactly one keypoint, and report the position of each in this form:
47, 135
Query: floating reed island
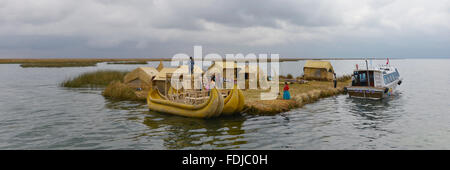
302, 92
135, 85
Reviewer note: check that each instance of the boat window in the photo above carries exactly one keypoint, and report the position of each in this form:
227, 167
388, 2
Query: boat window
389, 78
396, 71
362, 77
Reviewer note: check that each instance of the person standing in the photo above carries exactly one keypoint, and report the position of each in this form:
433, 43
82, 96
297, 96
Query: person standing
286, 94
335, 80
191, 64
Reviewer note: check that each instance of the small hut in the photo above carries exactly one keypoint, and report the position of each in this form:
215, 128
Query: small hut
162, 80
141, 77
318, 70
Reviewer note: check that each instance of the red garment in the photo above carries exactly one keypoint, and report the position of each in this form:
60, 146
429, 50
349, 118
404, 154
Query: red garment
286, 87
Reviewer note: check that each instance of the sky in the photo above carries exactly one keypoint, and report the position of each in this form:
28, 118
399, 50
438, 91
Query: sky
163, 28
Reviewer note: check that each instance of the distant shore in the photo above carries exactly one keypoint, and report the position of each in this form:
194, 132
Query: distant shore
98, 60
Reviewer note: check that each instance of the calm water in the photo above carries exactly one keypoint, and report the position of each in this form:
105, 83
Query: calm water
37, 114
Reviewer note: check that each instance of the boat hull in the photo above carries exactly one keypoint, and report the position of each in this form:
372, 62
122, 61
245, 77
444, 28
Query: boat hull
375, 93
234, 102
211, 108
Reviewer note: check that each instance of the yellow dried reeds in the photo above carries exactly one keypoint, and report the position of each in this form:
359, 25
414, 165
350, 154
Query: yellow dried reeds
100, 78
119, 91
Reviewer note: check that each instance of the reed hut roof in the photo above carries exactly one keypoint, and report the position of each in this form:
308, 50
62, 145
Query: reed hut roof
145, 74
160, 66
163, 73
318, 64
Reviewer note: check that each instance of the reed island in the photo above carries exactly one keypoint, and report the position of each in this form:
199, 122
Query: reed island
318, 81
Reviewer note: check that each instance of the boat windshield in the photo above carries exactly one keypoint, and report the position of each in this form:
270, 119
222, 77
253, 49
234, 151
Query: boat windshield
361, 78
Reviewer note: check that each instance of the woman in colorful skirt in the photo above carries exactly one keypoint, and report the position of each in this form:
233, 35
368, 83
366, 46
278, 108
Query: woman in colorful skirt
286, 94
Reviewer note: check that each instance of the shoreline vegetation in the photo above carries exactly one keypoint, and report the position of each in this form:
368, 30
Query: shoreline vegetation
94, 79
88, 62
127, 62
71, 62
302, 93
99, 60
59, 64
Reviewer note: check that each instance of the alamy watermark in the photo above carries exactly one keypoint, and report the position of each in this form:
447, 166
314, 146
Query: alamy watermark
249, 71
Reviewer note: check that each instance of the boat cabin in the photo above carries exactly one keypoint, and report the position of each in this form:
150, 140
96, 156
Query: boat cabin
375, 77
363, 78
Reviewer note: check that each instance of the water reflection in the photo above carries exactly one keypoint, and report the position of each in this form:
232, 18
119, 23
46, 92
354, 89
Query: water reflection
188, 133
375, 115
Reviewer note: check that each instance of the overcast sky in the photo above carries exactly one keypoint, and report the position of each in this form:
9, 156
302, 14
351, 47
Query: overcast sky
162, 28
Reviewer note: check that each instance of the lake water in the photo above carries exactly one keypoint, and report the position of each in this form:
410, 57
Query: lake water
37, 114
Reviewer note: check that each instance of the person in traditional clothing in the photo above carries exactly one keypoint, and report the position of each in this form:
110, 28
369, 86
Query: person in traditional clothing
286, 94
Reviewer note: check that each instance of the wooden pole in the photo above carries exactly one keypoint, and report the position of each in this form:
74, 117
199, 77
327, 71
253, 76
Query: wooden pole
368, 75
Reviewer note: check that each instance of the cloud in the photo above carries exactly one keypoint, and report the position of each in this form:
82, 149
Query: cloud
291, 27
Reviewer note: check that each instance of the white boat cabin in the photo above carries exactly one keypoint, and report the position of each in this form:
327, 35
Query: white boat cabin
375, 77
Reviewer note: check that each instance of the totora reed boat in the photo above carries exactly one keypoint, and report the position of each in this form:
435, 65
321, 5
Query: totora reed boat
211, 108
375, 82
234, 102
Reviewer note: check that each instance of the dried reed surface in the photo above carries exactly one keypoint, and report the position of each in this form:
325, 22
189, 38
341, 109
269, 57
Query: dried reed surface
301, 94
99, 78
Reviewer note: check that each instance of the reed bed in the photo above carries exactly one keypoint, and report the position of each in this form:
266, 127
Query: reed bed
59, 64
127, 62
117, 90
344, 78
74, 60
100, 78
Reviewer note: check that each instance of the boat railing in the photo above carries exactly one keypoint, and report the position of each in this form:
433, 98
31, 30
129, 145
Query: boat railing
193, 96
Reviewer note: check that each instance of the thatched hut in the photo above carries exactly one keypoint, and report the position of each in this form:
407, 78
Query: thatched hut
141, 77
318, 70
